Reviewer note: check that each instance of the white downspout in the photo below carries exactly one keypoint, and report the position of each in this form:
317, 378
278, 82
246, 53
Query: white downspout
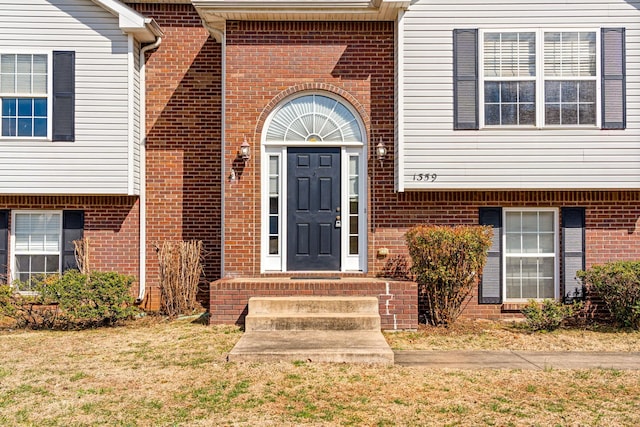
143, 168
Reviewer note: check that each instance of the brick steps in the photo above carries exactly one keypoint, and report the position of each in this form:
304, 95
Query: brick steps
321, 329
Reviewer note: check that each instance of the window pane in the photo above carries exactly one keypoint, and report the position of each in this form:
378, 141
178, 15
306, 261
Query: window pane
546, 243
23, 83
353, 205
353, 245
9, 107
273, 205
22, 263
569, 114
9, 127
273, 225
40, 64
530, 243
552, 92
513, 243
273, 245
545, 221
40, 107
273, 185
7, 64
529, 221
25, 127
37, 264
509, 114
39, 84
25, 107
7, 83
527, 114
52, 263
40, 127
509, 92
492, 92
527, 92
353, 225
353, 165
569, 92
24, 64
587, 114
552, 114
492, 114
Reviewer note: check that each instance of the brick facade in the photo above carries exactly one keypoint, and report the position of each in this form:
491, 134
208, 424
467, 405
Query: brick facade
111, 224
183, 140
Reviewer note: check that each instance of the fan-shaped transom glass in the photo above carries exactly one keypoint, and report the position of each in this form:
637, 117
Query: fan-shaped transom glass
314, 118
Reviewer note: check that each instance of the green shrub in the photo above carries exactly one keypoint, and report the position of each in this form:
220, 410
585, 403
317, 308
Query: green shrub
548, 315
618, 284
446, 263
71, 300
102, 300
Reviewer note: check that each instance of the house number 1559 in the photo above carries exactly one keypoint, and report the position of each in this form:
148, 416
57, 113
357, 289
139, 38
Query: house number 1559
426, 177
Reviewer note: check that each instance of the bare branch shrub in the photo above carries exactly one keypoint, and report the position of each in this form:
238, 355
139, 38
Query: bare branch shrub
81, 252
180, 271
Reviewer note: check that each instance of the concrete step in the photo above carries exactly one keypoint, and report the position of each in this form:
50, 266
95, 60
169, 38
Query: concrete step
313, 346
312, 321
313, 304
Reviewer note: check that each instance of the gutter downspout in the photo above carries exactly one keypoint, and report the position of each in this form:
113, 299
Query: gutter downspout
143, 168
220, 37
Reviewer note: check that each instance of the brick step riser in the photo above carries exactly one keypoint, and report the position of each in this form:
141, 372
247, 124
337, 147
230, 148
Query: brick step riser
338, 322
313, 306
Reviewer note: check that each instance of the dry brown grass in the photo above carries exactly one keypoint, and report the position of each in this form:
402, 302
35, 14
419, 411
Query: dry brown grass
485, 335
157, 373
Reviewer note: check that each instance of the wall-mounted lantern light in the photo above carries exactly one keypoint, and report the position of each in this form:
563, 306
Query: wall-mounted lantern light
381, 152
245, 151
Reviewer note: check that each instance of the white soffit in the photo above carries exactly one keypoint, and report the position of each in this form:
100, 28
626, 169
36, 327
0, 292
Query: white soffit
216, 12
144, 29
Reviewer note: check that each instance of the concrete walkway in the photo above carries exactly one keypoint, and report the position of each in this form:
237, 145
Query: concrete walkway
537, 360
371, 347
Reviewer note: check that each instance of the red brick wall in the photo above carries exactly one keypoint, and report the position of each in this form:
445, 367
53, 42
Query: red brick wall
183, 139
397, 300
266, 61
612, 221
111, 224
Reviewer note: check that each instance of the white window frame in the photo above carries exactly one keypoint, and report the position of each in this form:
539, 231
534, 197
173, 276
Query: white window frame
539, 77
48, 95
14, 253
556, 254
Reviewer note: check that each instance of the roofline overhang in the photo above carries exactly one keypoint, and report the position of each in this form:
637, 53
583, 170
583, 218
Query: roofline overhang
215, 13
143, 29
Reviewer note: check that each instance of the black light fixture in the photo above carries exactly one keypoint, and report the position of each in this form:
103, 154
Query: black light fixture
245, 151
381, 152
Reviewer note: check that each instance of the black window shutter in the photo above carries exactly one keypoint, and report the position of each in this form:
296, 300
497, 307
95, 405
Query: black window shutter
72, 229
465, 79
4, 244
490, 291
613, 79
573, 251
64, 93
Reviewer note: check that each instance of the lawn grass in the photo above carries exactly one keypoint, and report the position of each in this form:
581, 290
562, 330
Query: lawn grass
158, 373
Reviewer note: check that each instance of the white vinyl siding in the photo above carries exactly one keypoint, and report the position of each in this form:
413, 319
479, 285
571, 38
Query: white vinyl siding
550, 157
98, 161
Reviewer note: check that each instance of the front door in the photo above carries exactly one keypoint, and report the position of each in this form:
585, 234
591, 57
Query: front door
313, 199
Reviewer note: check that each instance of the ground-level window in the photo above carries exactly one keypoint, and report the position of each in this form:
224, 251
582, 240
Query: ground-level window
530, 255
36, 246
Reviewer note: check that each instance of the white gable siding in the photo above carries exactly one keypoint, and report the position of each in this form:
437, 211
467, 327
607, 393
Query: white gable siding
509, 159
97, 162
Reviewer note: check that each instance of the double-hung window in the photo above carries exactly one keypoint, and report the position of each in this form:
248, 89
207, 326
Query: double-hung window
530, 254
24, 95
37, 237
539, 78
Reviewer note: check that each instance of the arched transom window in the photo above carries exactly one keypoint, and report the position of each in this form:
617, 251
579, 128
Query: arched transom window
314, 118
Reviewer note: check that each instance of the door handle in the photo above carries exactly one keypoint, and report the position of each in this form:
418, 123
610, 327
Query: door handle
338, 222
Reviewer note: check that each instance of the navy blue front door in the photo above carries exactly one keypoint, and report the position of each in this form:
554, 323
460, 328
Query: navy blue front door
313, 199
